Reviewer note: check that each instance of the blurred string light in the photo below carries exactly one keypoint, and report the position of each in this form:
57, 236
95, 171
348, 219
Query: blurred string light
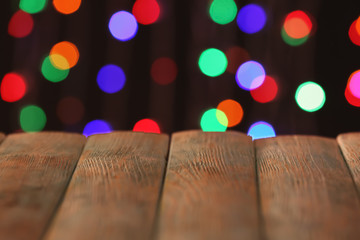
223, 11
111, 78
13, 87
310, 96
146, 125
70, 110
68, 52
50, 72
236, 56
260, 130
214, 120
354, 32
233, 111
146, 11
32, 118
266, 92
296, 28
212, 62
251, 18
66, 6
97, 127
21, 24
352, 100
164, 71
354, 84
123, 26
32, 6
250, 75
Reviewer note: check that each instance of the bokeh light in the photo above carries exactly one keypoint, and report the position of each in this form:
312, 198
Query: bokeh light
21, 24
67, 6
293, 41
164, 70
310, 96
123, 26
233, 111
251, 18
236, 56
250, 75
223, 11
70, 110
32, 6
146, 11
354, 34
97, 127
214, 120
146, 125
352, 100
51, 73
266, 92
111, 78
260, 130
297, 24
32, 118
212, 62
66, 49
13, 87
354, 84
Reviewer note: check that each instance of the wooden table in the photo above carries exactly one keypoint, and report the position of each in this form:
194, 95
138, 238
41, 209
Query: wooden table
194, 185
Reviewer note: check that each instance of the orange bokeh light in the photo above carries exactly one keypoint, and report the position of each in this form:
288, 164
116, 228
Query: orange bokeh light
297, 24
66, 49
67, 6
354, 35
233, 111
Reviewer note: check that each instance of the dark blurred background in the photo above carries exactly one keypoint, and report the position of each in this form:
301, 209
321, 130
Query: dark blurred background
183, 30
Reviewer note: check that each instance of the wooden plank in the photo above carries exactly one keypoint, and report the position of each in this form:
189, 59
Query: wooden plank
306, 189
350, 147
210, 188
35, 169
115, 188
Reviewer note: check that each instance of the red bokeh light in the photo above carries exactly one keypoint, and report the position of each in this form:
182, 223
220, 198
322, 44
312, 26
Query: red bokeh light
13, 87
146, 11
297, 24
351, 98
354, 35
164, 71
236, 56
266, 92
21, 24
146, 125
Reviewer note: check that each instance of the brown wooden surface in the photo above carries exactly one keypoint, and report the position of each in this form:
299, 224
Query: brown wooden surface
350, 147
2, 136
34, 172
306, 189
210, 188
114, 190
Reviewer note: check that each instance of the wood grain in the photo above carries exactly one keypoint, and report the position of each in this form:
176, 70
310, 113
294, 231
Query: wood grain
114, 190
306, 189
35, 169
350, 147
210, 188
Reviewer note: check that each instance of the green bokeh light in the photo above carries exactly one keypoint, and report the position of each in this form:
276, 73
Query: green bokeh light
223, 11
32, 6
32, 119
310, 96
52, 73
214, 120
212, 62
293, 41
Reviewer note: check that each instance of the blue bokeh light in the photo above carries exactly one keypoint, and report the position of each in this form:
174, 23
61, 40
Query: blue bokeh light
260, 130
250, 75
111, 78
123, 25
251, 18
96, 127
